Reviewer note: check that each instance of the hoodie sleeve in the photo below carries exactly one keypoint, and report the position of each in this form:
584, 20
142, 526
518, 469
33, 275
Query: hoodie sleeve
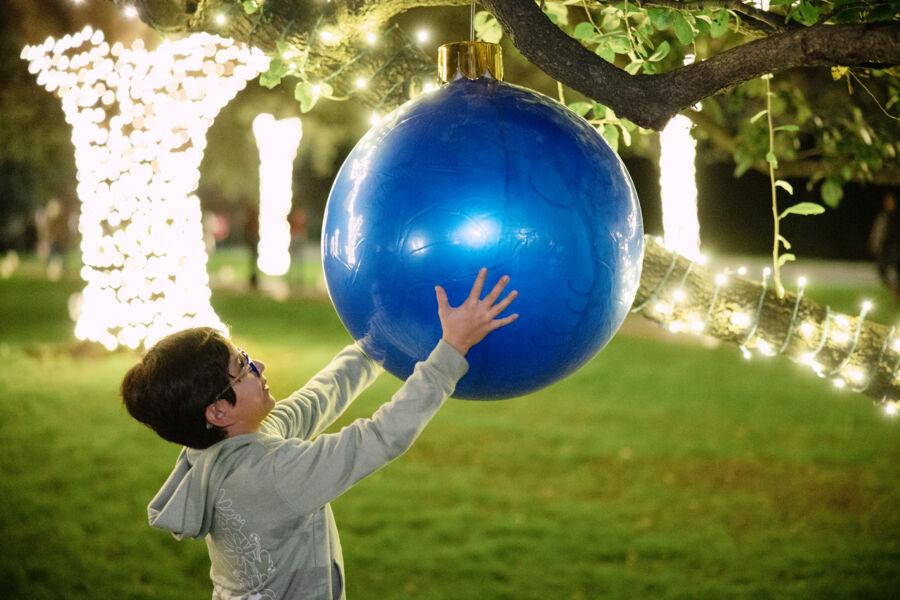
316, 405
310, 474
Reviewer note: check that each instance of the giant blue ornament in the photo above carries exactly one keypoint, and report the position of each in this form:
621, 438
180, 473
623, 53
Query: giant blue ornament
484, 173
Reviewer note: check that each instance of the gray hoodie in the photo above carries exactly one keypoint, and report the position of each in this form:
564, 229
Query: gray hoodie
261, 499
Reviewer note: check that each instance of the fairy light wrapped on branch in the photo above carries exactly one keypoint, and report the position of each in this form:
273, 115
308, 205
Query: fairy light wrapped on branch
684, 296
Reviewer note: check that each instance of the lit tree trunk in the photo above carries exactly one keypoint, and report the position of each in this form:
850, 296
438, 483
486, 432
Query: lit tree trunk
139, 121
277, 140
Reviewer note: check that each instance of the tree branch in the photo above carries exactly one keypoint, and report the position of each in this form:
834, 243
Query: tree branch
861, 354
647, 100
651, 100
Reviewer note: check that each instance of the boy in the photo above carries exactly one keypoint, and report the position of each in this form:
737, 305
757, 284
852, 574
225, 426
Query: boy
255, 479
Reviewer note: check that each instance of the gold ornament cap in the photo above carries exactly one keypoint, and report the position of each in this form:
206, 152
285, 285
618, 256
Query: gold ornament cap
471, 60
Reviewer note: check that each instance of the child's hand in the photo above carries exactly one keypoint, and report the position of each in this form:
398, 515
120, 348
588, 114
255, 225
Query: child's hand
468, 323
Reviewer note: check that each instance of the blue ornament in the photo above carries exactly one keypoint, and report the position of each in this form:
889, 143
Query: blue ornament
484, 173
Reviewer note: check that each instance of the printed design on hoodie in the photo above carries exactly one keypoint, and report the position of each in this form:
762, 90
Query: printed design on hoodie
252, 565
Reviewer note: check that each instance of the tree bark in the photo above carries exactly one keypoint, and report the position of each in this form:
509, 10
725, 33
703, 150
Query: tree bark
647, 100
861, 355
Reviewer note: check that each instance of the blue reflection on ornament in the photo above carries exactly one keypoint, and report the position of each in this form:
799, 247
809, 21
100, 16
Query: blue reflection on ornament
484, 173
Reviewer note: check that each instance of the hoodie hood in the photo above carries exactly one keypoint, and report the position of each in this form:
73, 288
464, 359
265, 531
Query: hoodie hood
184, 505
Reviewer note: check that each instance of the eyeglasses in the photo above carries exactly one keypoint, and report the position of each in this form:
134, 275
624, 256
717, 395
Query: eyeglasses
249, 367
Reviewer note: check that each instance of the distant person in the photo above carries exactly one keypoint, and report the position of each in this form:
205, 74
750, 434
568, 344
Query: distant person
52, 225
884, 244
256, 477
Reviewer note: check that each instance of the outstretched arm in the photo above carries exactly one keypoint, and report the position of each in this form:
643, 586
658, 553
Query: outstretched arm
310, 473
315, 406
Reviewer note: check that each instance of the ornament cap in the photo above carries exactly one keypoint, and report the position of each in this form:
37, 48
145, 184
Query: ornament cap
471, 60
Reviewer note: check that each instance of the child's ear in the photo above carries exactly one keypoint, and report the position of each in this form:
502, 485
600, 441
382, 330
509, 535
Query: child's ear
219, 413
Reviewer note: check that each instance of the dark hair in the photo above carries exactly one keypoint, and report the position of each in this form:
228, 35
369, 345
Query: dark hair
175, 381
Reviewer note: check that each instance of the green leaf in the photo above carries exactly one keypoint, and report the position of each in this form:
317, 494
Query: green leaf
250, 6
272, 77
787, 128
784, 242
785, 186
661, 52
611, 133
583, 31
610, 22
303, 93
619, 43
785, 258
803, 208
487, 29
758, 116
809, 13
661, 18
719, 27
885, 12
580, 108
606, 53
626, 136
633, 67
557, 12
683, 29
772, 159
832, 192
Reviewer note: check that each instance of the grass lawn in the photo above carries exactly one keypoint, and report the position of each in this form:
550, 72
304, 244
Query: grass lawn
660, 470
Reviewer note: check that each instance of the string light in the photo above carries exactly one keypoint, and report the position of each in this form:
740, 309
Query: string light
801, 285
755, 322
220, 19
129, 11
277, 141
139, 121
329, 37
422, 35
669, 301
371, 38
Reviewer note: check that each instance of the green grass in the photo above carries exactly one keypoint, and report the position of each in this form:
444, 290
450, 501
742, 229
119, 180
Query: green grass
661, 470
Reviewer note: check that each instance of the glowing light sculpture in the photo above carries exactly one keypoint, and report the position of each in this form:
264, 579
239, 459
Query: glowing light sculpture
277, 140
139, 121
678, 187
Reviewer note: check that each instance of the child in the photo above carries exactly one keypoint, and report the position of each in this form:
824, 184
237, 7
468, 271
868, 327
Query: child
256, 478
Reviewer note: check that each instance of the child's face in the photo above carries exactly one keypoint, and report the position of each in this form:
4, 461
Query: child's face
253, 398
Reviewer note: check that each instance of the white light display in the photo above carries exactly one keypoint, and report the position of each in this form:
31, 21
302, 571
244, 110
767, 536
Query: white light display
139, 121
678, 187
277, 140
